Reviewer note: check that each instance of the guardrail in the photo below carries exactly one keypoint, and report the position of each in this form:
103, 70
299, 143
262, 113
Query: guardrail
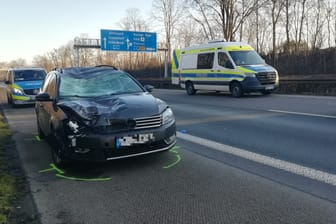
325, 87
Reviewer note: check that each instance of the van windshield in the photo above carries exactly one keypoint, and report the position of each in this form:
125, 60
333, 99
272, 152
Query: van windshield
29, 75
246, 58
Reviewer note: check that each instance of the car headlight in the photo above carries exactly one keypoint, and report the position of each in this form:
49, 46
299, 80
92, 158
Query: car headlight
250, 75
18, 91
167, 116
74, 126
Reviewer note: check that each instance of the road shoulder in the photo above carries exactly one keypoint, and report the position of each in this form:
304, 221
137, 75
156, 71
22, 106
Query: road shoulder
22, 207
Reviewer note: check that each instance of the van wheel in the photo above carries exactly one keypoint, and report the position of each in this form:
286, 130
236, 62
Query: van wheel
236, 90
190, 88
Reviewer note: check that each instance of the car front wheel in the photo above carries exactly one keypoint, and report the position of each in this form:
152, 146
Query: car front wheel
58, 149
39, 131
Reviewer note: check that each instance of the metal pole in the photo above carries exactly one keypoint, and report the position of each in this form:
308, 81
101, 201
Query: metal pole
78, 59
257, 28
166, 65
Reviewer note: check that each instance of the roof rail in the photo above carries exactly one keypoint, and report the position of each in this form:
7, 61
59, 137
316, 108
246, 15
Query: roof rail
110, 66
216, 41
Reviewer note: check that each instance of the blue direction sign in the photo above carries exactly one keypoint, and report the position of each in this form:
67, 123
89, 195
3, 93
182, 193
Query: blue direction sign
117, 40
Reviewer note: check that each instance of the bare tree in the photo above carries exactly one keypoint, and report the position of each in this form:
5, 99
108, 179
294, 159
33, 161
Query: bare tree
135, 22
44, 62
228, 15
200, 12
188, 33
169, 13
329, 13
316, 21
287, 7
17, 63
276, 9
303, 12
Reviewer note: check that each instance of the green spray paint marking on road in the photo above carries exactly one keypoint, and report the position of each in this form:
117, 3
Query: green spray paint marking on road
57, 169
46, 170
83, 179
52, 167
37, 138
174, 150
173, 164
59, 173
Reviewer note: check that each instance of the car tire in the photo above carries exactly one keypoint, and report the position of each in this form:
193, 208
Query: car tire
266, 92
11, 102
190, 88
57, 150
236, 90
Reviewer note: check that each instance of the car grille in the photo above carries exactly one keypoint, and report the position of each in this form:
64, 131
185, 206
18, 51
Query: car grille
31, 91
266, 78
117, 125
148, 122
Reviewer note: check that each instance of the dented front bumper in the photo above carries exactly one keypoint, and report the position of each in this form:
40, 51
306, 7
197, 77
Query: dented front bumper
102, 147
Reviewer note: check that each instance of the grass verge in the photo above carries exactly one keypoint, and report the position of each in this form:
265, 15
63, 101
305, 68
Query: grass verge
8, 190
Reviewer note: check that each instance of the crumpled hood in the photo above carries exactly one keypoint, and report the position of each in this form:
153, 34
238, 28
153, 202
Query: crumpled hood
259, 68
119, 107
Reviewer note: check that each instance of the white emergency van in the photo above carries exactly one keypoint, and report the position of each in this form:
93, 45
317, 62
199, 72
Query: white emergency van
223, 66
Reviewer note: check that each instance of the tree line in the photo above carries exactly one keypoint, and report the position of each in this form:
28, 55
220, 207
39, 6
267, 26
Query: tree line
273, 27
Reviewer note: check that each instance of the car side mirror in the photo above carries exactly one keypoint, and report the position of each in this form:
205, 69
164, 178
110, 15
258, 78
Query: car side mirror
149, 88
44, 97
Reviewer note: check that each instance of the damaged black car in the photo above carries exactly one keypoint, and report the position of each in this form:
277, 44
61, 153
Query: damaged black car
99, 114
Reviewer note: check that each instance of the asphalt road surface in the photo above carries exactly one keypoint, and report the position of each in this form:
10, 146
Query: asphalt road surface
251, 160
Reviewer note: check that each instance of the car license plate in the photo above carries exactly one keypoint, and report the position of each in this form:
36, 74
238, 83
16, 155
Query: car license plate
269, 87
134, 139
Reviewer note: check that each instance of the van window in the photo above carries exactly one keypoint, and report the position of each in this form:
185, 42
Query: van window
223, 60
188, 61
205, 61
29, 75
246, 58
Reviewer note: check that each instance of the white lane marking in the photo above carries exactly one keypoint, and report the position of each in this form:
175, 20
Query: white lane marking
266, 160
304, 114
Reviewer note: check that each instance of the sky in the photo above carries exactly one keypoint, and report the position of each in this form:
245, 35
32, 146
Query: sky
34, 27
